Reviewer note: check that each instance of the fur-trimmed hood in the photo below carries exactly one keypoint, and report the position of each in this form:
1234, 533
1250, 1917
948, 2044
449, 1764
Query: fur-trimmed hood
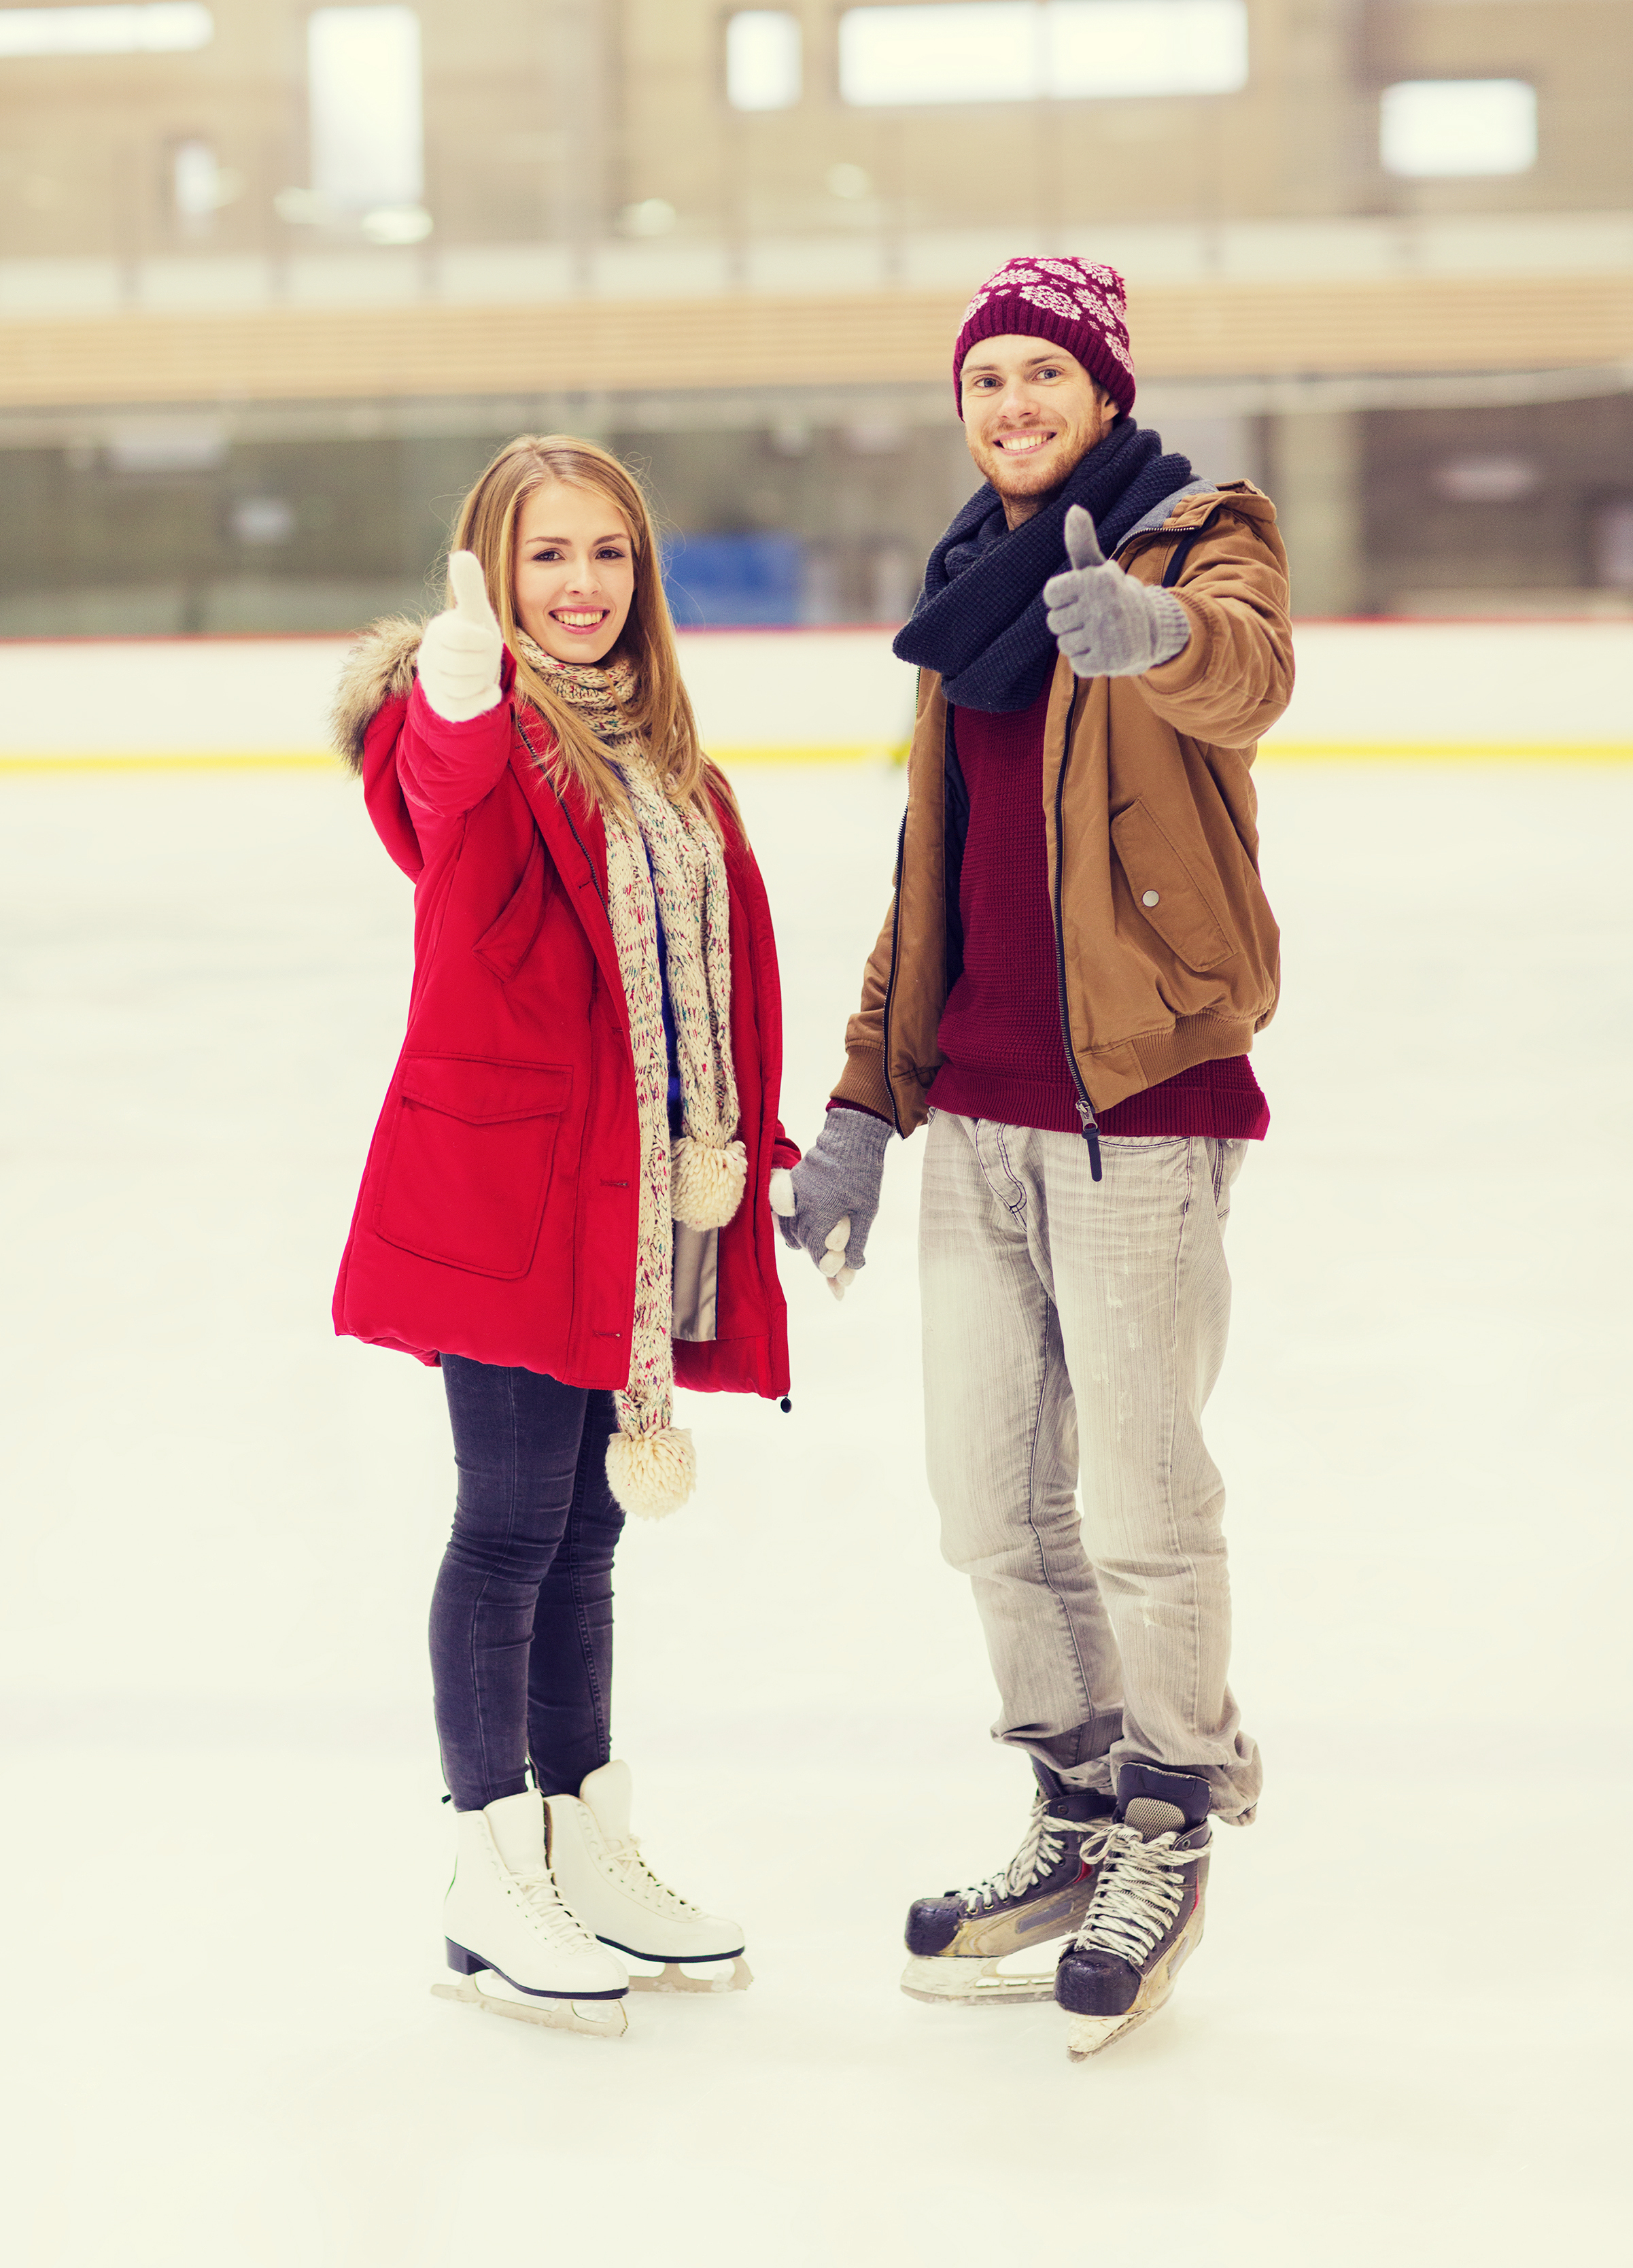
380, 668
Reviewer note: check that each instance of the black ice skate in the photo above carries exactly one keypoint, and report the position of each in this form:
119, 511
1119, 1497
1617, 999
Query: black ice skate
958, 1939
1146, 1914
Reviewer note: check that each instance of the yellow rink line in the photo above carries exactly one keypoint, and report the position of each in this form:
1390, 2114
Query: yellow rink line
1452, 752
849, 752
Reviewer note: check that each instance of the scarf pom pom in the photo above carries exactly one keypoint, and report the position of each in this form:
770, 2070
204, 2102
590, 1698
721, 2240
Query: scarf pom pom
706, 1182
651, 1474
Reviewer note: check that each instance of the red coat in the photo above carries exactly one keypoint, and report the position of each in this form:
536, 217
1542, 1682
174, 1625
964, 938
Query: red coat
499, 1205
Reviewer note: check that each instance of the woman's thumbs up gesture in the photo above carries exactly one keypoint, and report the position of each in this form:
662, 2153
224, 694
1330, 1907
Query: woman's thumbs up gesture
461, 651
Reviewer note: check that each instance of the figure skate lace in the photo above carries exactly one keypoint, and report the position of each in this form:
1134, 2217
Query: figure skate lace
625, 1852
536, 1892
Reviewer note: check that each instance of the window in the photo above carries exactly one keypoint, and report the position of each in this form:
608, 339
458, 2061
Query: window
262, 519
763, 60
1146, 47
1613, 546
1020, 50
1430, 127
1487, 480
196, 181
105, 31
364, 88
978, 51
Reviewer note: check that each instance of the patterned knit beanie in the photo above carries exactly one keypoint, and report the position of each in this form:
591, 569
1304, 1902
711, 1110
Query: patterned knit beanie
1080, 306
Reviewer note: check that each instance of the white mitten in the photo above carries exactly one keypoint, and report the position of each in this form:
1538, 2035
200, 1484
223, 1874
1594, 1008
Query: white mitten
461, 652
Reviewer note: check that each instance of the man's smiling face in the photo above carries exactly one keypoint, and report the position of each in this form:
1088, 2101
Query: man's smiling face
1031, 411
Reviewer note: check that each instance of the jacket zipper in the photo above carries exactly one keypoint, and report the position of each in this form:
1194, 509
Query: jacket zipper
895, 955
1186, 536
1086, 1109
561, 804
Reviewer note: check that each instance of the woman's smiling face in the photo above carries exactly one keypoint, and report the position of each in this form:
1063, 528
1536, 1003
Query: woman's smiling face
575, 571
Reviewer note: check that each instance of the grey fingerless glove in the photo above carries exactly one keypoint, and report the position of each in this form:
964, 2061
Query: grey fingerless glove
1105, 623
838, 1177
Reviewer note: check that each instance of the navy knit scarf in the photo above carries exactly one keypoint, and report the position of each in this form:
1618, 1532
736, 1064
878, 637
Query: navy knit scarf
979, 617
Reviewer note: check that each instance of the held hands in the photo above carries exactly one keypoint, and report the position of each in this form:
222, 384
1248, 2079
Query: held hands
838, 1277
826, 1205
461, 651
1105, 623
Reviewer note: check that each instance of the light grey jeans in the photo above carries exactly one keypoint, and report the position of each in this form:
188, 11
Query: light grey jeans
1069, 1323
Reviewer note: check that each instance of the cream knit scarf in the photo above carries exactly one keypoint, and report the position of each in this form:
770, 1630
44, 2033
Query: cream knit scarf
668, 861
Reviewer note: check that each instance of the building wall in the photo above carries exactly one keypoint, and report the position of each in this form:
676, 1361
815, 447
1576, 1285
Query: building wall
757, 308
1578, 54
1290, 142
547, 120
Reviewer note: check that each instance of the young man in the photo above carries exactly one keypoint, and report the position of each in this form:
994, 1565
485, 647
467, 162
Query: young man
1077, 954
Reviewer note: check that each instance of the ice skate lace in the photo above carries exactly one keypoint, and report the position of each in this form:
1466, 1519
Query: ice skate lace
626, 1856
1042, 1849
1137, 1888
537, 1893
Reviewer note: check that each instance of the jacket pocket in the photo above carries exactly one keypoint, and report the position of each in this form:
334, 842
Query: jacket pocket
506, 942
1167, 894
468, 1169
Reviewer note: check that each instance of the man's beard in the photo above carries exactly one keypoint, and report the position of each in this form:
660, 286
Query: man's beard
1029, 482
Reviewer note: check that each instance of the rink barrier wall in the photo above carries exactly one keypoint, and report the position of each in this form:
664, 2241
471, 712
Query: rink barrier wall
1273, 752
152, 760
1461, 692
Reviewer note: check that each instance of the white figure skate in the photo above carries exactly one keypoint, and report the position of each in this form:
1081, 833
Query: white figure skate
599, 1871
503, 1918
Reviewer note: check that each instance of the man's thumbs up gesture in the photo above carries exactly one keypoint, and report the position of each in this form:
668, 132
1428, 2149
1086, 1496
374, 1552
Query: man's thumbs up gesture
1105, 623
461, 651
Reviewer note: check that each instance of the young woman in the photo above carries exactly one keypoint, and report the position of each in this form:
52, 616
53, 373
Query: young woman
565, 1200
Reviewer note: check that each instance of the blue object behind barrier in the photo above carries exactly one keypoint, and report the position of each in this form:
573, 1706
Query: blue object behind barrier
714, 580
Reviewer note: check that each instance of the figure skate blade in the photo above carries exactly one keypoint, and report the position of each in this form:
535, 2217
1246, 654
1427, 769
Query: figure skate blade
716, 1976
598, 2019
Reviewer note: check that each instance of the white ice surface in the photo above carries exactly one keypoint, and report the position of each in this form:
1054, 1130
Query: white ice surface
1405, 2038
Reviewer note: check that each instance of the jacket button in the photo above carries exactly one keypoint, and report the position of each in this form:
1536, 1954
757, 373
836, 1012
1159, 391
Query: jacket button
1150, 898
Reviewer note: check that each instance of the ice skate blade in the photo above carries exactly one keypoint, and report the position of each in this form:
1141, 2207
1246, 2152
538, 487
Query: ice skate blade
598, 2019
1088, 2036
673, 1978
970, 1980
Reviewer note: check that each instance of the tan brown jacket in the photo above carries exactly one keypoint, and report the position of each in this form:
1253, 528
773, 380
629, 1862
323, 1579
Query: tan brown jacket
1167, 949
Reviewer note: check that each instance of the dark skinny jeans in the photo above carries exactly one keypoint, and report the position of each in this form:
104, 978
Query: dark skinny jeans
521, 1625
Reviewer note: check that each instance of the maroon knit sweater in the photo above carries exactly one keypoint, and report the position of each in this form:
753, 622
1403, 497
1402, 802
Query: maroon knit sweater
1000, 1030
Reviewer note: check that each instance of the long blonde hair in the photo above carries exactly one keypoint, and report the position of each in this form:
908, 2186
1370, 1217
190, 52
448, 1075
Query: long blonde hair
660, 711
